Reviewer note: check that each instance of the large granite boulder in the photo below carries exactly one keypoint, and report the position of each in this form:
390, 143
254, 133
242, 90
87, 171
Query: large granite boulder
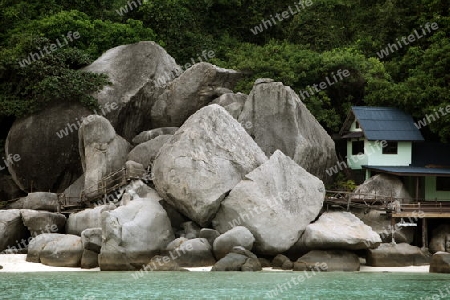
92, 239
92, 243
275, 202
136, 71
89, 259
39, 222
383, 185
148, 135
280, 121
88, 218
397, 255
46, 143
102, 152
194, 89
56, 250
440, 239
239, 259
146, 152
12, 230
204, 160
440, 263
328, 260
237, 236
134, 233
340, 230
37, 201
192, 253
233, 103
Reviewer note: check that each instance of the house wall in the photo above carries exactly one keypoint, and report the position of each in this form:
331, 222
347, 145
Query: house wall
353, 127
356, 161
430, 190
377, 158
373, 155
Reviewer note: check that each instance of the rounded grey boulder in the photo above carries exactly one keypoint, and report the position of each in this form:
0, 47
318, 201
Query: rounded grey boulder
238, 236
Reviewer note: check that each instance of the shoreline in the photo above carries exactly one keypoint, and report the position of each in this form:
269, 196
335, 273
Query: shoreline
16, 263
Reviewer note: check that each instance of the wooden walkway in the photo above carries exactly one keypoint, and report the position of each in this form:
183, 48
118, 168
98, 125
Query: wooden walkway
99, 191
398, 207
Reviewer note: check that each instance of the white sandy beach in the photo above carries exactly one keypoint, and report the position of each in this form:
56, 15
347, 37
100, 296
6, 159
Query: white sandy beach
17, 263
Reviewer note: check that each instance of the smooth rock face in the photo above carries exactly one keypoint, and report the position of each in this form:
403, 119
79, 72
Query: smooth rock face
398, 255
194, 89
331, 260
135, 71
238, 236
102, 152
203, 161
275, 202
240, 259
231, 262
440, 239
134, 233
340, 230
39, 222
11, 229
233, 103
384, 185
37, 201
46, 143
88, 218
146, 152
280, 121
92, 239
148, 135
56, 250
89, 259
193, 253
381, 224
440, 263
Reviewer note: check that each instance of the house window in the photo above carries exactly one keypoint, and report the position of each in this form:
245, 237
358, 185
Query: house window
391, 148
443, 184
357, 147
357, 125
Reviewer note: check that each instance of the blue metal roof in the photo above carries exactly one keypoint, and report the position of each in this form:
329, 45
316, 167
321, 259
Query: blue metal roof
411, 171
386, 123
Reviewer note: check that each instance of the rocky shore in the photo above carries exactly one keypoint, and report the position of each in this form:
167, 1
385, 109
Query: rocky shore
228, 181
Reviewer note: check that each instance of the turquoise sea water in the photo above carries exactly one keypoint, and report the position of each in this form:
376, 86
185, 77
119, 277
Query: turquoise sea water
221, 285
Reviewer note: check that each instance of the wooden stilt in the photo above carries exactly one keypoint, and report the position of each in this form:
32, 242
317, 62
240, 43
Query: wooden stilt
424, 233
417, 188
393, 230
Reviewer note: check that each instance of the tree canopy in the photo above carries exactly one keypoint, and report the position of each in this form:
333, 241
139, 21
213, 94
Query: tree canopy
306, 46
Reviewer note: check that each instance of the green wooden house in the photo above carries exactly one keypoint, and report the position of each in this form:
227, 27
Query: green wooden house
386, 140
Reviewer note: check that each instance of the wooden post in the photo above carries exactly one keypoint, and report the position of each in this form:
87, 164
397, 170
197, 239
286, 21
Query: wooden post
417, 188
424, 233
393, 230
349, 200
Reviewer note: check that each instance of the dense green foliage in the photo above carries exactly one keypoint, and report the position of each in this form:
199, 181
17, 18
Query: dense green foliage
301, 50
